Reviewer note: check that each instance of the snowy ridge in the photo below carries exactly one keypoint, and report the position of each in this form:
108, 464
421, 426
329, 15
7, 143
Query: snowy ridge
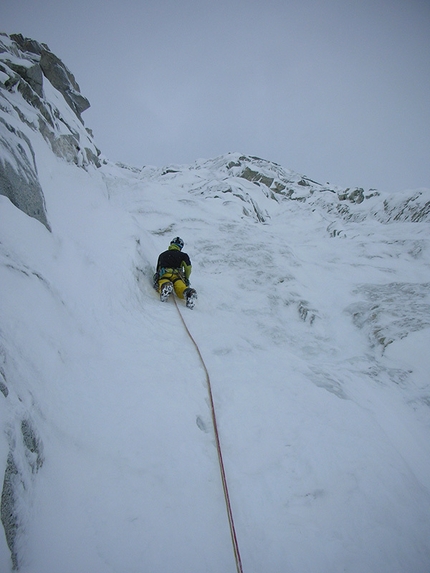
313, 319
254, 180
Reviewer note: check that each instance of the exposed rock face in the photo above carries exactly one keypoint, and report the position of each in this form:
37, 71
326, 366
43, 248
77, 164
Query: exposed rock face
18, 173
55, 71
29, 74
24, 459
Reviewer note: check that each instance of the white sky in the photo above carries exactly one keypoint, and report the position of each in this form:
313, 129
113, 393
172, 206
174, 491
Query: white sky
338, 90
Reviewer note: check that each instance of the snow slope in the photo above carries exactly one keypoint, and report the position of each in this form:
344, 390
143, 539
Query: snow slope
313, 320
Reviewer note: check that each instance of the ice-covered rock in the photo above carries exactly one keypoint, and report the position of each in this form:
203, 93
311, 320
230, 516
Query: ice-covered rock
38, 95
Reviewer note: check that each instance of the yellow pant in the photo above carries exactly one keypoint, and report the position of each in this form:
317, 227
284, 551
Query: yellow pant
178, 283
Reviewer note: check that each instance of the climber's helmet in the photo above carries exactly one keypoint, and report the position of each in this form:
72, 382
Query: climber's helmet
178, 242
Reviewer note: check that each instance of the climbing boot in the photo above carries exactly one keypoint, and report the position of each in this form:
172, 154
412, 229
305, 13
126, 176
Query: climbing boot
190, 297
165, 291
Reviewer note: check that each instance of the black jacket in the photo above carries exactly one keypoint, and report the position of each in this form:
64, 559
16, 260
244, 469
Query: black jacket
173, 258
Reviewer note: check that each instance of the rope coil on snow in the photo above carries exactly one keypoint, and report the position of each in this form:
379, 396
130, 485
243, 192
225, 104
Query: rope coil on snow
218, 447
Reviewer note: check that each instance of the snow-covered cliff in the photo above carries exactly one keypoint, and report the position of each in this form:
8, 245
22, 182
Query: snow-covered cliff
38, 97
313, 319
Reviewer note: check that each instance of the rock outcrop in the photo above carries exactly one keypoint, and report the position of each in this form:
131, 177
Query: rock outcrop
30, 76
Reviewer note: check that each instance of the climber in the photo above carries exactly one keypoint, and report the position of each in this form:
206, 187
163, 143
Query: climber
173, 273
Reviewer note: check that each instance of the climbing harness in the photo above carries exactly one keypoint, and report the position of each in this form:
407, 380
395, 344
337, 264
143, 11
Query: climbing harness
218, 447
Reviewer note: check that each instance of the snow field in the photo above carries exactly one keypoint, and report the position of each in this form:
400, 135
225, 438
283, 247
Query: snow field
326, 461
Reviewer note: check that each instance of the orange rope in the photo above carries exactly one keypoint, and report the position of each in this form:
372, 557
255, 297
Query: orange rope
218, 447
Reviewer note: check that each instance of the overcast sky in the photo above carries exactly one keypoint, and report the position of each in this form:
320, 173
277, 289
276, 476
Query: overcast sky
338, 90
